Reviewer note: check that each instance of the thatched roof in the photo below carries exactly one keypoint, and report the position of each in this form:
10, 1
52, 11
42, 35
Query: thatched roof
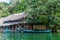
11, 18
16, 16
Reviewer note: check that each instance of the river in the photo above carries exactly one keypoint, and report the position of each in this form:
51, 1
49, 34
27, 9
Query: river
29, 36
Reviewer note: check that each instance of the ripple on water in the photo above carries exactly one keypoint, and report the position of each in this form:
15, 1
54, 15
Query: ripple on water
29, 36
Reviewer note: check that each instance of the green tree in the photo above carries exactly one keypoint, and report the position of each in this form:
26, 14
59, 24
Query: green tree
37, 8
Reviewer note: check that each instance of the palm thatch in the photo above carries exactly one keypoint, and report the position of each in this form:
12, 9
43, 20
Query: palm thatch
12, 18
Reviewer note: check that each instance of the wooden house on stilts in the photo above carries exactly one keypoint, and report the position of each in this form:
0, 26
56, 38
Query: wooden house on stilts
16, 22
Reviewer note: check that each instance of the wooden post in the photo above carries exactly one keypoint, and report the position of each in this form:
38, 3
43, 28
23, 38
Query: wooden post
19, 26
8, 27
32, 27
16, 26
13, 27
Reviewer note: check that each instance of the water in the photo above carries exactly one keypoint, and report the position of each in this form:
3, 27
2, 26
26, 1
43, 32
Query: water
29, 36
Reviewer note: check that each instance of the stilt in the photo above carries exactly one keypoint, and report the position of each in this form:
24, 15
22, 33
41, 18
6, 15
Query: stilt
19, 26
16, 27
12, 28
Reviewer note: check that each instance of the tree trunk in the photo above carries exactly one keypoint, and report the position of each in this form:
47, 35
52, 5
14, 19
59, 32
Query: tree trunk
54, 29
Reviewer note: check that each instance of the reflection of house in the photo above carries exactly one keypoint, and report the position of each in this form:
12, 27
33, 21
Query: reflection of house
17, 21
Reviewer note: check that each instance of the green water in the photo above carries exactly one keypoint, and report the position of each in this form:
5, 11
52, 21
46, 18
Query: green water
29, 36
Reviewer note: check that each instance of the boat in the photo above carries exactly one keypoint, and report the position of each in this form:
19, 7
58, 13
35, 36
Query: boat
37, 31
28, 31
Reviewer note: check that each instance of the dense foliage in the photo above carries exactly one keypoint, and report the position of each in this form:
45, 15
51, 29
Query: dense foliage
3, 9
38, 11
44, 11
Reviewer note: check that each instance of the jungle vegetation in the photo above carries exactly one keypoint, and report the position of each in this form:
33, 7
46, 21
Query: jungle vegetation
38, 11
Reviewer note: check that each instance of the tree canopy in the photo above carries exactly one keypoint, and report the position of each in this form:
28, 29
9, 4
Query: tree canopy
38, 11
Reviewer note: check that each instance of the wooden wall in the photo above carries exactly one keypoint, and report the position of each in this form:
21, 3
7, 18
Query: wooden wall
39, 27
35, 27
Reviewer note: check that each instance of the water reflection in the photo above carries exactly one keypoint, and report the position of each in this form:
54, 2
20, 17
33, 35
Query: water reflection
56, 36
29, 36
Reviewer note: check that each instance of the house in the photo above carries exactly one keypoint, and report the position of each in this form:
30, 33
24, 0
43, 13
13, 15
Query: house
11, 21
17, 22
